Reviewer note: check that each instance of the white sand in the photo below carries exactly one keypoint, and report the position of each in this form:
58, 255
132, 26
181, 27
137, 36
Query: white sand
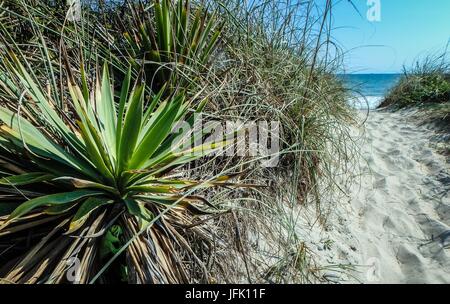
396, 221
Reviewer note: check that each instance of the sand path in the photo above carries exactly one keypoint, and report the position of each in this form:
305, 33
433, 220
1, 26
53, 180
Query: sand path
401, 204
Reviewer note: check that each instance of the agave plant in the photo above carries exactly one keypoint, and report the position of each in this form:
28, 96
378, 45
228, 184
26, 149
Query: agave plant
169, 37
95, 184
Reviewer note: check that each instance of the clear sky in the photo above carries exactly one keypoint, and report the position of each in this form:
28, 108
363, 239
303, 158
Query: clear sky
407, 30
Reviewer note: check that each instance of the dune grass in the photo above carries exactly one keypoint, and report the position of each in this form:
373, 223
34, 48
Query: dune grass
426, 85
276, 71
425, 88
152, 216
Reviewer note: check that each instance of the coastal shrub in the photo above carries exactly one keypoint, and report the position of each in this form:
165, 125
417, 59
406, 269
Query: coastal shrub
91, 176
155, 216
106, 163
171, 41
426, 83
426, 88
414, 90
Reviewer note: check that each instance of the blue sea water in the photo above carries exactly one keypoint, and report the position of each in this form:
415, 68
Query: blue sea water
369, 89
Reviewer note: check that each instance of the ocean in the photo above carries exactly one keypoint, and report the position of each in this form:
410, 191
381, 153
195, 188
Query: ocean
369, 88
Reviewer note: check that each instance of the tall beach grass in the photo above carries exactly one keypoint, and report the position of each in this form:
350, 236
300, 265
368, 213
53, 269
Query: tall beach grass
234, 60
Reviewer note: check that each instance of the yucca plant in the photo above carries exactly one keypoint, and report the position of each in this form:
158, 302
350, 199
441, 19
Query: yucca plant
171, 38
96, 180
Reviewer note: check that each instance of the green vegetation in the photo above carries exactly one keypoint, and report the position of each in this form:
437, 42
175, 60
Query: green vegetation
425, 86
176, 40
92, 176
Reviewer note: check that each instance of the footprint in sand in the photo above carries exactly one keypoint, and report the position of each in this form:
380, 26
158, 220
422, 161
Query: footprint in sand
405, 202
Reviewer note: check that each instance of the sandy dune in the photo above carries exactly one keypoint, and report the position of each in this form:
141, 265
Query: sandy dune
403, 203
394, 224
399, 211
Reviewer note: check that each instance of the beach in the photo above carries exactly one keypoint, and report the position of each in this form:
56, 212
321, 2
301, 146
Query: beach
213, 142
394, 225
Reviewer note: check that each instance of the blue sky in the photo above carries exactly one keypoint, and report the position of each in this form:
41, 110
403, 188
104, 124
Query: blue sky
407, 30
